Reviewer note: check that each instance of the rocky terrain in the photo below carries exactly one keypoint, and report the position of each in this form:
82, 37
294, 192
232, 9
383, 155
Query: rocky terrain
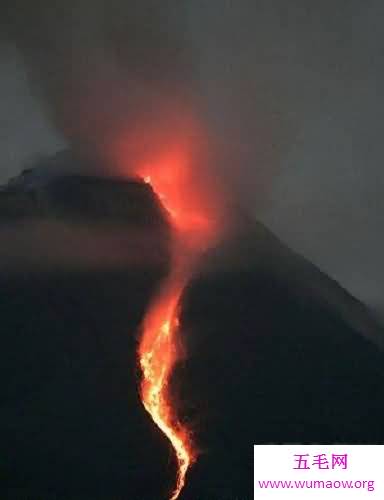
277, 351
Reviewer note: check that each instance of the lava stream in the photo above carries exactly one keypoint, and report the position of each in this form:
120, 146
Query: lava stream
195, 229
158, 355
159, 346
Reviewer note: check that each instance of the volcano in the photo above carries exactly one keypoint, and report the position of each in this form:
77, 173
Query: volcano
275, 351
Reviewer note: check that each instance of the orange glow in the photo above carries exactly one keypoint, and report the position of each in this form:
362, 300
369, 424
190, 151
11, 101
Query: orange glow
171, 156
191, 216
158, 355
185, 196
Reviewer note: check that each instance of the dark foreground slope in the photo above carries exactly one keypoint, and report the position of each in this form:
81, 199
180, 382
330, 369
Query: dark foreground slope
277, 352
80, 259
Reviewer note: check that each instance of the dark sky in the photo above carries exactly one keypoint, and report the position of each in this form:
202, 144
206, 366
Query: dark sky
296, 89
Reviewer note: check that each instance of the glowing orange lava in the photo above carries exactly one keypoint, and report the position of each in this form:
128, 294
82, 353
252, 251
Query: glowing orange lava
159, 348
158, 355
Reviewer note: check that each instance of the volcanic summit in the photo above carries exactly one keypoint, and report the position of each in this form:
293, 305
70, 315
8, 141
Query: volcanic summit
274, 351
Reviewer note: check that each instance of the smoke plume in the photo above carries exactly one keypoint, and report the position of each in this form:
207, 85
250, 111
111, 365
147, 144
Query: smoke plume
107, 68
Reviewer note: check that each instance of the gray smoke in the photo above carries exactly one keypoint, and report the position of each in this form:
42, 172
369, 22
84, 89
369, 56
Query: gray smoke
103, 65
290, 87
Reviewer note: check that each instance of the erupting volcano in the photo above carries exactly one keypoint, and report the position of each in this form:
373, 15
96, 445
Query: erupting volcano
252, 312
194, 228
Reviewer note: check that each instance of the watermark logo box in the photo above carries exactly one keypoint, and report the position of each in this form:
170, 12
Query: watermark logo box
322, 472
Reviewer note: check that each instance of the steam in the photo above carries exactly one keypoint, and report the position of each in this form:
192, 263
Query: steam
58, 246
107, 68
133, 72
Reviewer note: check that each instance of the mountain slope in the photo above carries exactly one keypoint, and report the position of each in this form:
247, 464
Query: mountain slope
276, 351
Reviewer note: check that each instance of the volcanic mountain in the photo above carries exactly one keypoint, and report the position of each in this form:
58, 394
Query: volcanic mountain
275, 351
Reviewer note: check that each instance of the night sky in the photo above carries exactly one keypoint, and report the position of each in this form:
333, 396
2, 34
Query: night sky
295, 88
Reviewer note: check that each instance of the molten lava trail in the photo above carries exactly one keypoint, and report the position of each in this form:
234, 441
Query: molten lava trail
158, 355
193, 218
159, 349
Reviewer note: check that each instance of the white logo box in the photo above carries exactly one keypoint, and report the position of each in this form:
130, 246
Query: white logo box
321, 472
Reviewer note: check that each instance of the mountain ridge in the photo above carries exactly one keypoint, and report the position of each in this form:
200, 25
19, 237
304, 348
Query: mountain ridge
275, 350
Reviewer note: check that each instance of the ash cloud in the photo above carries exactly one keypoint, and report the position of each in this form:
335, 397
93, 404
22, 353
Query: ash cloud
132, 68
292, 88
102, 66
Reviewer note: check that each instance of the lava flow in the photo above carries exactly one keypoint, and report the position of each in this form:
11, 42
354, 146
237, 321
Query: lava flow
159, 348
158, 355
